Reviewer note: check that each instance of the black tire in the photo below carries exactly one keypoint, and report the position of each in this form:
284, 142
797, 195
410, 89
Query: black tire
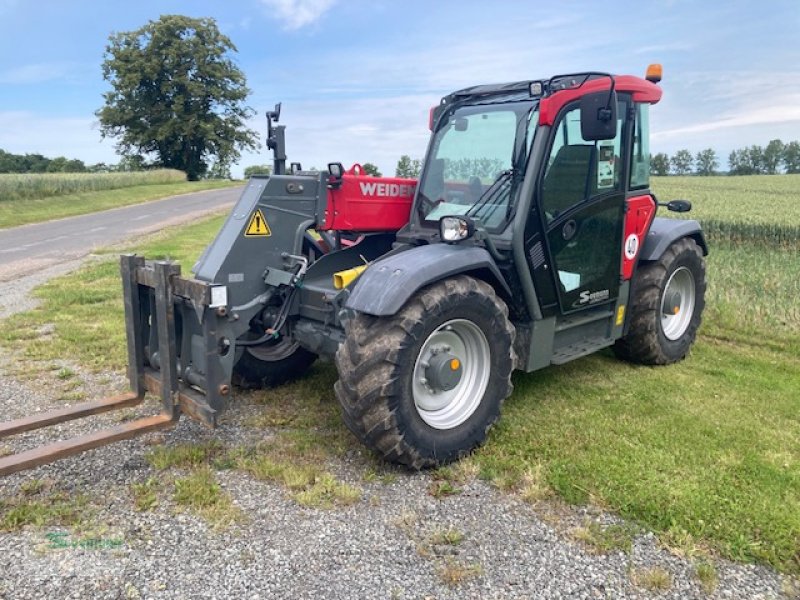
260, 367
376, 366
646, 341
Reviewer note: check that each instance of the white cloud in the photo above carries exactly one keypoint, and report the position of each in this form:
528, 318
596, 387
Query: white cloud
766, 115
36, 73
424, 63
726, 111
664, 49
296, 14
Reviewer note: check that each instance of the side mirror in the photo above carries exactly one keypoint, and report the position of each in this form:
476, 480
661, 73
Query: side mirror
276, 114
433, 116
335, 174
599, 116
680, 206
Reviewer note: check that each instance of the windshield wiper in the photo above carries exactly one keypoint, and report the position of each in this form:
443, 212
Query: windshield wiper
491, 192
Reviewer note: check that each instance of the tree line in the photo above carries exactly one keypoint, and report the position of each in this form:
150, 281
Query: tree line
36, 163
776, 157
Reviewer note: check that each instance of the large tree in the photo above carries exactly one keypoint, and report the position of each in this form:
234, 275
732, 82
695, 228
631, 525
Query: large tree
371, 169
681, 162
408, 167
706, 163
257, 170
772, 157
176, 95
791, 157
659, 164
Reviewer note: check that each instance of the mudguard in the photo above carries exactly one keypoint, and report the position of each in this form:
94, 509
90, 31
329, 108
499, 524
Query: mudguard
388, 283
664, 231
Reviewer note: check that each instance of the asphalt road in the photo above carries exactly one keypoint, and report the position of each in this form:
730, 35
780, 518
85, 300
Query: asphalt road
31, 248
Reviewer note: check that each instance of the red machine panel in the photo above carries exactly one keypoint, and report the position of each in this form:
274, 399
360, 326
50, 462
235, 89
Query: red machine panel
640, 213
365, 203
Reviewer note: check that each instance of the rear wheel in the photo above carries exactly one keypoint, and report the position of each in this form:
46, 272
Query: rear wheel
666, 306
278, 361
424, 386
271, 364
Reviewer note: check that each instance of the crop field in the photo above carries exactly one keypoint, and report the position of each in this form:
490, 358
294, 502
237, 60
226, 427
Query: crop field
761, 209
705, 453
45, 185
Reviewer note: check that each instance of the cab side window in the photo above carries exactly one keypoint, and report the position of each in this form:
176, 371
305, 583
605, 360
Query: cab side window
578, 169
640, 159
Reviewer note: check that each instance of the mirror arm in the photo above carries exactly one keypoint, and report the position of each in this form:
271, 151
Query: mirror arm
604, 114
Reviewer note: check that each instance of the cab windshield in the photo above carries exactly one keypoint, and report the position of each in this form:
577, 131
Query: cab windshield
477, 160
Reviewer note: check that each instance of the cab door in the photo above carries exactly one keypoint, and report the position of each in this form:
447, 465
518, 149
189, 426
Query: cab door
581, 206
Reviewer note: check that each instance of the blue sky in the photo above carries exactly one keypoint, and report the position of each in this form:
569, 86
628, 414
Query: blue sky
357, 78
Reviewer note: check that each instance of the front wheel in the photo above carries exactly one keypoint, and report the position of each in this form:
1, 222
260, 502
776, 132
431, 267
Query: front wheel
666, 306
424, 386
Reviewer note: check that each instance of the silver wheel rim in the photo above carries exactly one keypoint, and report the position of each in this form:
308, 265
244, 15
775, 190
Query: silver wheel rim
448, 409
675, 324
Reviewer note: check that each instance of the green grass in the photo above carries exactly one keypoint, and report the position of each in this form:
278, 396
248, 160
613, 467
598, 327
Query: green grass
21, 211
145, 494
655, 579
183, 455
707, 450
708, 446
37, 505
326, 492
604, 539
200, 493
88, 322
706, 573
454, 573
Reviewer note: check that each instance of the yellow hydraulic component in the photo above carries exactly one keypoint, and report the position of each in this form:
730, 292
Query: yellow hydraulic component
344, 278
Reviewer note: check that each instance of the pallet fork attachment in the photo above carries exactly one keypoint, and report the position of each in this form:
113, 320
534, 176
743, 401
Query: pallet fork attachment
155, 332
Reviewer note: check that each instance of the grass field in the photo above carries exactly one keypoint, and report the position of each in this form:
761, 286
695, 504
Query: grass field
38, 197
705, 453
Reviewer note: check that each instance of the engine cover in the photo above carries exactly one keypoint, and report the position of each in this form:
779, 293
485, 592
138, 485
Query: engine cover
364, 203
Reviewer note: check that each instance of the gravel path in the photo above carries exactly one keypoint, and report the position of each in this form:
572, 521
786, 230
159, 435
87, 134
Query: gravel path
386, 545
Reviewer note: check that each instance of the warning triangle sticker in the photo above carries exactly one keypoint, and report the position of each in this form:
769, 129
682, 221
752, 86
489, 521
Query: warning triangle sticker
257, 227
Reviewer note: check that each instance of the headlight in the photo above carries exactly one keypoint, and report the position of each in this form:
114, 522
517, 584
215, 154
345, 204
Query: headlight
455, 229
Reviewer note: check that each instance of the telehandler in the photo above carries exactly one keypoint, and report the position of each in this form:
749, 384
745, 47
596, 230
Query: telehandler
529, 240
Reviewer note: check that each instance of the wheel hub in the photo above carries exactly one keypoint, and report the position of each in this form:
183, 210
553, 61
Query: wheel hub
677, 304
672, 304
443, 371
451, 374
